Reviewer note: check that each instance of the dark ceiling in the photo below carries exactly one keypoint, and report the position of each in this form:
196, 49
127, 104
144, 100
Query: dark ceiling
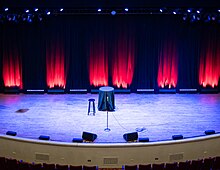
109, 3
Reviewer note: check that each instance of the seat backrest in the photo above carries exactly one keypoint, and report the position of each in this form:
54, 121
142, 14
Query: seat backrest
130, 167
3, 163
48, 166
171, 166
72, 167
145, 167
62, 167
158, 166
89, 167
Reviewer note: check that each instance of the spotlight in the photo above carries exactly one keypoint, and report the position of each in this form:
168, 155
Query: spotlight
198, 12
219, 10
185, 17
6, 9
29, 19
126, 9
99, 10
40, 18
161, 10
35, 9
27, 11
113, 12
174, 12
61, 9
48, 12
189, 10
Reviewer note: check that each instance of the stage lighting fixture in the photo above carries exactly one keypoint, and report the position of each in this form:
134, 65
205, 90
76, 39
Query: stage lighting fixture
126, 9
185, 17
198, 12
174, 12
29, 19
6, 9
48, 12
113, 12
40, 18
219, 10
61, 9
189, 10
161, 10
35, 9
99, 10
27, 10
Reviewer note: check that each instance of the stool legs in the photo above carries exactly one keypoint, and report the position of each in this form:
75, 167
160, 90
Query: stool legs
93, 107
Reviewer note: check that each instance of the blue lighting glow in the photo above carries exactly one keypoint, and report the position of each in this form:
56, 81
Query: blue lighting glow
35, 9
161, 10
113, 12
189, 10
6, 9
61, 9
126, 9
174, 12
27, 11
48, 13
99, 10
198, 12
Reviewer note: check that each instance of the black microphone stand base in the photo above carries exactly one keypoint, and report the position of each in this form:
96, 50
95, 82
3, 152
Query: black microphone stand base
107, 129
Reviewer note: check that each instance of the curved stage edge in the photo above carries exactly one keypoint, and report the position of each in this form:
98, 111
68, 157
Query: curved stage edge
113, 155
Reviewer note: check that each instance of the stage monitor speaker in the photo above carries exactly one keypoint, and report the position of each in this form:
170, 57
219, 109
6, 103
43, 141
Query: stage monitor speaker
177, 137
87, 136
43, 137
144, 140
11, 133
130, 136
209, 132
77, 140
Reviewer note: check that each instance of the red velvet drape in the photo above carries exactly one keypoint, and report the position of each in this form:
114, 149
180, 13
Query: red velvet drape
209, 67
168, 65
55, 64
123, 60
98, 63
12, 67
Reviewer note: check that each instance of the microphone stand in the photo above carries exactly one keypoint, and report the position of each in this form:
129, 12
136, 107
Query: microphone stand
107, 129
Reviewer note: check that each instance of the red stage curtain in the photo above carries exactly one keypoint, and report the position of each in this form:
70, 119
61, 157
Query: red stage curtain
55, 63
168, 65
12, 69
98, 63
123, 59
12, 63
209, 67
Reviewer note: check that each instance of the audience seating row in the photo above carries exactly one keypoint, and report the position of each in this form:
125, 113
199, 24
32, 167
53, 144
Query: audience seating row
201, 164
13, 164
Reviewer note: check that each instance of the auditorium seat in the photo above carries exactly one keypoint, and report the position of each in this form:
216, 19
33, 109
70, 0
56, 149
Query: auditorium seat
145, 167
3, 163
207, 163
89, 167
12, 164
158, 166
216, 164
36, 166
48, 166
72, 167
196, 164
130, 167
61, 167
23, 165
171, 166
184, 165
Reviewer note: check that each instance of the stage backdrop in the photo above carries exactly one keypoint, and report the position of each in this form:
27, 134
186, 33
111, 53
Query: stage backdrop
123, 51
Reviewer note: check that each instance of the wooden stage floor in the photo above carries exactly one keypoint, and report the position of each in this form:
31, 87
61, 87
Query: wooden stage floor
64, 116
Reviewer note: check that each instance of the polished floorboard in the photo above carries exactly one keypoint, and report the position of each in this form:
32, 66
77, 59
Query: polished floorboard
64, 116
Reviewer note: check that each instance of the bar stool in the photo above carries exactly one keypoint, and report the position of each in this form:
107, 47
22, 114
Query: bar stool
93, 106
